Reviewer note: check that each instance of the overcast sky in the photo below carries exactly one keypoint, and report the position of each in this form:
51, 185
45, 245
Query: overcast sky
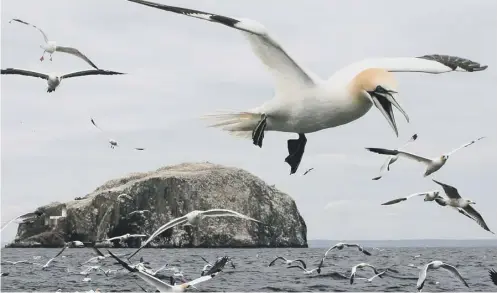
180, 68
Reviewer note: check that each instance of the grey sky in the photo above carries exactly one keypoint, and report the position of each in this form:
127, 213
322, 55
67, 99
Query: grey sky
180, 68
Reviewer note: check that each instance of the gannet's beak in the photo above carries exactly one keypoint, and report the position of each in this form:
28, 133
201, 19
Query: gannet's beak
383, 100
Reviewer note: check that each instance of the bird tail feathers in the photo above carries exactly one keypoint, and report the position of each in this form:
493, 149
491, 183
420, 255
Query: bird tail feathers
239, 124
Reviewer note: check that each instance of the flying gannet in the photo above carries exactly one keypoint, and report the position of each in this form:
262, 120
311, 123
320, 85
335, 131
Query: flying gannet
304, 103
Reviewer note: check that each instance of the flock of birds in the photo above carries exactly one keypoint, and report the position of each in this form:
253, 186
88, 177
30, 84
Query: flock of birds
303, 103
176, 281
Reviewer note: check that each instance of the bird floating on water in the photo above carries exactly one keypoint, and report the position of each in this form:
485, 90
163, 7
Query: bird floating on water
432, 165
54, 80
303, 102
51, 47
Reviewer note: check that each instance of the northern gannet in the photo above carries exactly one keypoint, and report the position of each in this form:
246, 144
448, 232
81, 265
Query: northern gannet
434, 265
193, 218
432, 165
54, 80
51, 47
303, 102
461, 204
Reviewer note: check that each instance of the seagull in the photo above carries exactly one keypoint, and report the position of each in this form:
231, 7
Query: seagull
303, 102
287, 261
126, 237
361, 265
462, 205
372, 278
306, 272
429, 196
141, 212
493, 276
160, 285
54, 80
308, 170
50, 260
51, 47
340, 246
432, 165
434, 265
193, 218
392, 159
113, 143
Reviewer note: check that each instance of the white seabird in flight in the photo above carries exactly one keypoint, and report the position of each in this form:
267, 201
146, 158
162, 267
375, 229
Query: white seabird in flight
432, 165
303, 102
113, 143
340, 246
372, 278
287, 261
51, 47
160, 285
306, 271
434, 265
461, 204
126, 237
362, 265
392, 159
429, 196
193, 218
54, 80
50, 260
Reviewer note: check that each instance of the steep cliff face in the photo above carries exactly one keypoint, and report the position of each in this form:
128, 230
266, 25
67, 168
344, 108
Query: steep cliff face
168, 193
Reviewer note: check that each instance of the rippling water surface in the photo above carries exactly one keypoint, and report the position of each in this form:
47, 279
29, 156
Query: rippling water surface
252, 272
